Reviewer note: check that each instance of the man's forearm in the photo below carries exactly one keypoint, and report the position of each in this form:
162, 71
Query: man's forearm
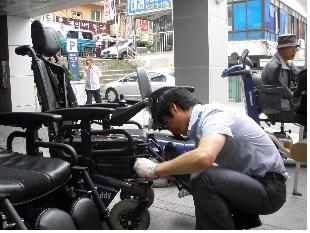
186, 163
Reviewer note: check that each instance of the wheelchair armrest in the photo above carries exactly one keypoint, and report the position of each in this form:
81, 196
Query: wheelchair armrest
28, 119
101, 105
122, 115
83, 113
25, 50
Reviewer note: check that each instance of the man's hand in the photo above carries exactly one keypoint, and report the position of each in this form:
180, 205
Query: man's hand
145, 168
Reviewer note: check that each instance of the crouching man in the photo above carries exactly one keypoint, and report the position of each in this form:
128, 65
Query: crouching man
235, 172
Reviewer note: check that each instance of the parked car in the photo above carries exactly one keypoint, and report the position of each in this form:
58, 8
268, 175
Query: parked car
122, 46
128, 85
85, 40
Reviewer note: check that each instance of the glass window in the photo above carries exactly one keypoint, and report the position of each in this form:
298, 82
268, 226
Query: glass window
96, 15
76, 14
87, 35
160, 78
122, 42
73, 34
131, 78
272, 18
255, 35
286, 23
282, 22
240, 21
269, 16
254, 16
302, 30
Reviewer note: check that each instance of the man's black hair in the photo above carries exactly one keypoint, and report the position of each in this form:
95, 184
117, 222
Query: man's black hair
179, 96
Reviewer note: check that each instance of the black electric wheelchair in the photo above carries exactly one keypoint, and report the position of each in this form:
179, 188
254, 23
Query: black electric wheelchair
109, 153
44, 193
164, 146
268, 99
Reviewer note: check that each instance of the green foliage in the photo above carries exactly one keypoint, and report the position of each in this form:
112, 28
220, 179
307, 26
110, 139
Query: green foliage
70, 75
148, 46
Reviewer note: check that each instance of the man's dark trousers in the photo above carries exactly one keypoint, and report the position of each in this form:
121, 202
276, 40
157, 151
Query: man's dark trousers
95, 93
218, 193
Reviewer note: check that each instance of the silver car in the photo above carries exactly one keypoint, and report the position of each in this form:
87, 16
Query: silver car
128, 85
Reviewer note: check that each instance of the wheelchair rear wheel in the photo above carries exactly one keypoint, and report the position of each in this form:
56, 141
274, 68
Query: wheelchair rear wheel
121, 216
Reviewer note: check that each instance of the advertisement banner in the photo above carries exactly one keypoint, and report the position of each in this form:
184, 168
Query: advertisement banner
142, 6
144, 25
108, 9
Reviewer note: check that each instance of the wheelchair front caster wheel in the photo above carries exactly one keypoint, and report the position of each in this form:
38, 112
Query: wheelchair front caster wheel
121, 216
150, 196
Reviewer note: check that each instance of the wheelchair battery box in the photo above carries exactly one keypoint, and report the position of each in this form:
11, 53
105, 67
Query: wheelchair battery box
269, 99
117, 158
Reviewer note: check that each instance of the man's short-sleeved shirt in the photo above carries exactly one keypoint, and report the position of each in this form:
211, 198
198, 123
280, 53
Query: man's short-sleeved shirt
92, 76
247, 149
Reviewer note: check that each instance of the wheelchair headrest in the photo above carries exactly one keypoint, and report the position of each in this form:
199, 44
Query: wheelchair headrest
45, 40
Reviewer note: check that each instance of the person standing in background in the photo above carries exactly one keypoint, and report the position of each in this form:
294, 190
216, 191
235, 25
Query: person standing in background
92, 74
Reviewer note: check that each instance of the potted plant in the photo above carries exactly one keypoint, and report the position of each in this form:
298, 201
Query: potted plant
148, 47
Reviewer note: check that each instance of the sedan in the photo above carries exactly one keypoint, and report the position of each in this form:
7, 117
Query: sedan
129, 88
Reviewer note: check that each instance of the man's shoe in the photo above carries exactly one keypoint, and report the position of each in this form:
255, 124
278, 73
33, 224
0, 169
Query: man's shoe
246, 221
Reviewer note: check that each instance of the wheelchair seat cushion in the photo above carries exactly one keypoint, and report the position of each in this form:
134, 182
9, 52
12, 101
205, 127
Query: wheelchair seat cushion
27, 177
54, 219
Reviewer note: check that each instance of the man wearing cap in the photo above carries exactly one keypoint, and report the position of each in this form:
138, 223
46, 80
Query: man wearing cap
279, 70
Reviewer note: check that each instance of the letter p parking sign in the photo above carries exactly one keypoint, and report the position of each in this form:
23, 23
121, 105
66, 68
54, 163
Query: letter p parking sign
72, 45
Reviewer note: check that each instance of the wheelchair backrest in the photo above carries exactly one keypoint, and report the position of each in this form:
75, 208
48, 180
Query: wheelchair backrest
50, 76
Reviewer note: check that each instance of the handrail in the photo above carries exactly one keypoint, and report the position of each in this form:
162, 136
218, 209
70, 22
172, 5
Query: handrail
135, 55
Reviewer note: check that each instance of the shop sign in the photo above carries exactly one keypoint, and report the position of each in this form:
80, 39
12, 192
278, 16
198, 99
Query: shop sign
95, 27
143, 6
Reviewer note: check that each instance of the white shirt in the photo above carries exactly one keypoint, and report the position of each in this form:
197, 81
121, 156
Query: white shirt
92, 76
248, 149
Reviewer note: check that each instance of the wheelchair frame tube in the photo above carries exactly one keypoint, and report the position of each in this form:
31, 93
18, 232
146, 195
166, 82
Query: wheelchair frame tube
71, 152
10, 212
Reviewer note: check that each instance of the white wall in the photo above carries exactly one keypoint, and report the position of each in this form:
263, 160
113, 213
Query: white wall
22, 85
218, 46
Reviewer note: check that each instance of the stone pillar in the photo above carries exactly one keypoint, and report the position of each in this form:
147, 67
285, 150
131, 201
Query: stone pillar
200, 47
5, 87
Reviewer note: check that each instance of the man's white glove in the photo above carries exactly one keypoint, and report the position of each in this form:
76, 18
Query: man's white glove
145, 168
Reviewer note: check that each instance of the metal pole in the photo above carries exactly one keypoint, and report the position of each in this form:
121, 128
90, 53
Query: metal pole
116, 30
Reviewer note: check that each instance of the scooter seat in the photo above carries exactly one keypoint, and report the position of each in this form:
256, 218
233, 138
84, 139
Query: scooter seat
28, 177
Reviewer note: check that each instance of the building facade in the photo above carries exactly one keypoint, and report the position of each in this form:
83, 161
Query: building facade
256, 24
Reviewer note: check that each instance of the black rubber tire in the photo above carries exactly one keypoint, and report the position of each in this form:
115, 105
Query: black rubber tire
123, 55
88, 52
120, 213
111, 90
150, 194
